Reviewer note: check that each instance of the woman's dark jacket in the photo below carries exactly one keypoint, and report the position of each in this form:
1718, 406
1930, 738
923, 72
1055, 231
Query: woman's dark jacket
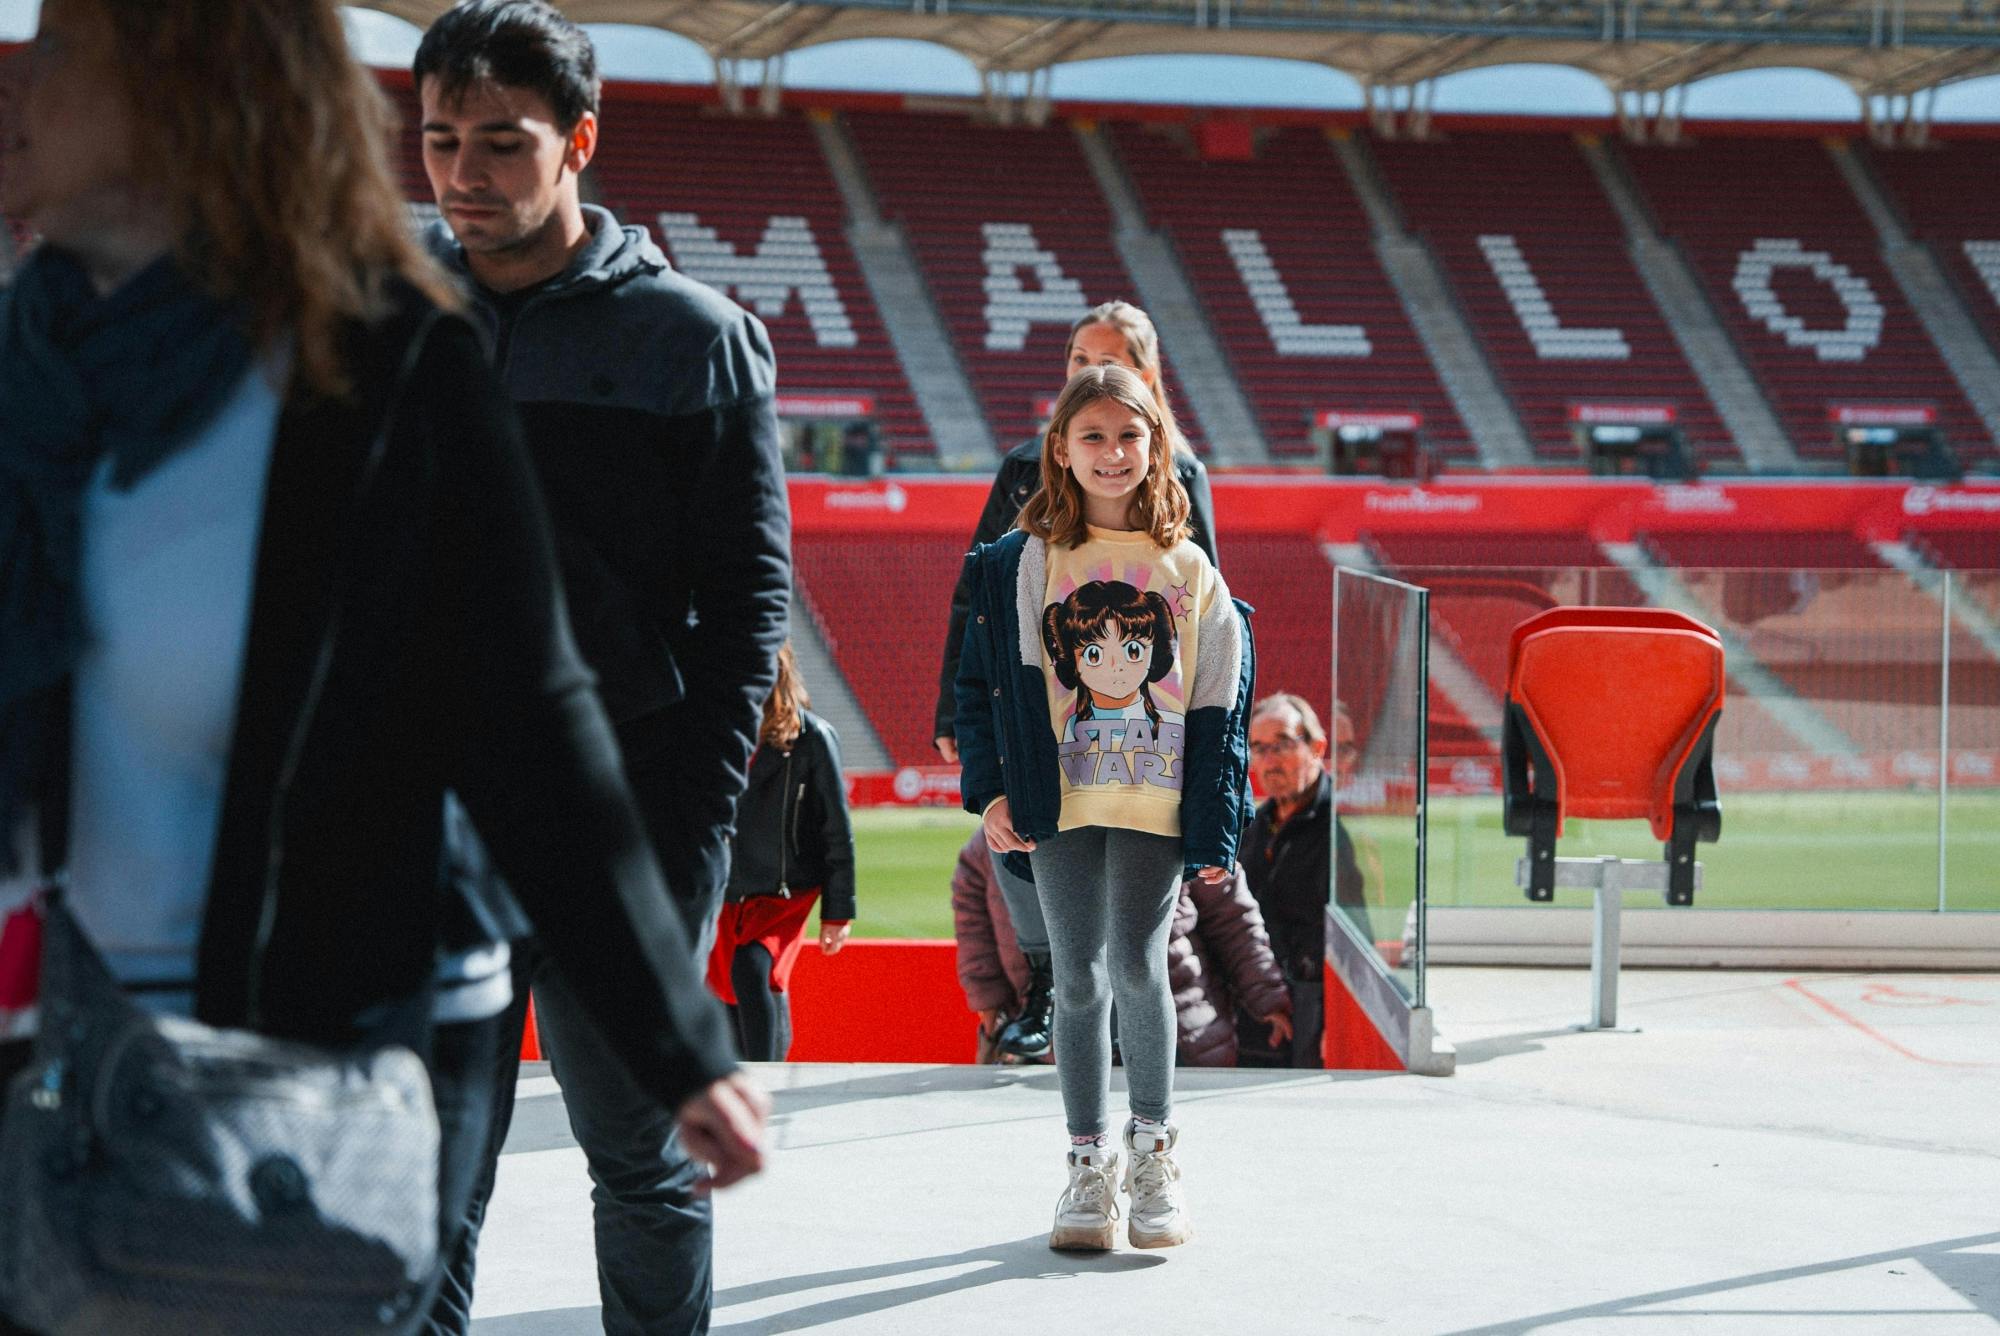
407, 637
792, 829
1020, 474
1219, 961
1007, 743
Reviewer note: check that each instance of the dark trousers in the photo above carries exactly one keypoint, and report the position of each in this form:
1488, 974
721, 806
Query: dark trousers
763, 1016
464, 1062
654, 1236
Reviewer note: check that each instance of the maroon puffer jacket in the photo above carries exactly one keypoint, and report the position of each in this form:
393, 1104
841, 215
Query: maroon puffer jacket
991, 968
1218, 958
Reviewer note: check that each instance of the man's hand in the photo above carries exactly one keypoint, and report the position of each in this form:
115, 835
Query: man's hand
999, 826
947, 748
1281, 1027
723, 1126
1213, 876
833, 936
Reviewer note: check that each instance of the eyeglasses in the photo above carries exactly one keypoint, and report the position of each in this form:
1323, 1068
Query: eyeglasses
1288, 743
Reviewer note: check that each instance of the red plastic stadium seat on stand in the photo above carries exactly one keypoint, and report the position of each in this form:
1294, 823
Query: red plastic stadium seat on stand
1611, 715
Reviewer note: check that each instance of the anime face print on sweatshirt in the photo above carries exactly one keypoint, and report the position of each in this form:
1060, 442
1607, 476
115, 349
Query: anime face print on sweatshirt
1114, 647
1125, 634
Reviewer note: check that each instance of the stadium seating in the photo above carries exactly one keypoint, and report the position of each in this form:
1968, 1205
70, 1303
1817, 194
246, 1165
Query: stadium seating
1286, 578
1974, 558
773, 238
1539, 263
1945, 195
1610, 713
1793, 266
882, 602
748, 205
1014, 241
1281, 256
1850, 636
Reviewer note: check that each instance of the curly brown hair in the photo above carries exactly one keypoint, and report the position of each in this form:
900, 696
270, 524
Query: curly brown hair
269, 143
1054, 514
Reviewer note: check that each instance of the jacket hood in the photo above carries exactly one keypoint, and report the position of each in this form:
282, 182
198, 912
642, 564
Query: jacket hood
615, 254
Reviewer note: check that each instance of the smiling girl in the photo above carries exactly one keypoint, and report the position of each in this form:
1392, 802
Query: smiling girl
1101, 698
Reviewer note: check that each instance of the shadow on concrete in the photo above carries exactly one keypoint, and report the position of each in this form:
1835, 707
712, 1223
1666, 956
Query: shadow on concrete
1020, 1259
902, 1082
1472, 1052
1975, 1277
550, 1322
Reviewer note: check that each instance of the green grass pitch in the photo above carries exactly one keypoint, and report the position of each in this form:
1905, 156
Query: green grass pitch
1856, 850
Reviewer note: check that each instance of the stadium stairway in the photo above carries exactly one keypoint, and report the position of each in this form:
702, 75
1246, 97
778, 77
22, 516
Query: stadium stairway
771, 235
1164, 290
833, 698
1013, 241
1476, 393
1794, 267
1968, 614
1275, 245
1470, 704
1539, 267
916, 330
1938, 303
1664, 588
1713, 357
1944, 195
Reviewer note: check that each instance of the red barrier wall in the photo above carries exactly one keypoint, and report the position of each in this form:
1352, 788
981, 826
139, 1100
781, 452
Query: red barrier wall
887, 1000
881, 1000
1351, 1042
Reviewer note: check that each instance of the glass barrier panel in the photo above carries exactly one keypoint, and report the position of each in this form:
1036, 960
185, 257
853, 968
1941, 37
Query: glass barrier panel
1971, 817
1376, 746
1827, 750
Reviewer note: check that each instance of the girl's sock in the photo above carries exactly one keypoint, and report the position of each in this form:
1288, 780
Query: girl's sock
1139, 1124
1090, 1145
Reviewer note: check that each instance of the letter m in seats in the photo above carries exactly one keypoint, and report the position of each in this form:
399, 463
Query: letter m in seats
787, 260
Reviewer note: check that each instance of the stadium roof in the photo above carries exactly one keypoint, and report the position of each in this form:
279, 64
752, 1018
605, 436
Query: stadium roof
1881, 48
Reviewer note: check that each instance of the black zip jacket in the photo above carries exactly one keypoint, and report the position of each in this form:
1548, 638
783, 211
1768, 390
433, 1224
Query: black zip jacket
792, 828
407, 637
1287, 868
1020, 474
646, 400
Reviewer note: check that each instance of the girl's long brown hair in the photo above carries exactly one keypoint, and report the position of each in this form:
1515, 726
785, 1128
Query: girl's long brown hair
785, 710
1160, 506
269, 143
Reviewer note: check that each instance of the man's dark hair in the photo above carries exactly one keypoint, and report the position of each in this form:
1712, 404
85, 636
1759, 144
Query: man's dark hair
520, 43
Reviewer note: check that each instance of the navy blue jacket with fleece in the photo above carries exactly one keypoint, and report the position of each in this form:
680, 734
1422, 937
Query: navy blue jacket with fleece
1007, 741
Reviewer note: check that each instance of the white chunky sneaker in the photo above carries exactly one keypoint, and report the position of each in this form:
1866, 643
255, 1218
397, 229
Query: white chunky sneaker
1087, 1212
1159, 1216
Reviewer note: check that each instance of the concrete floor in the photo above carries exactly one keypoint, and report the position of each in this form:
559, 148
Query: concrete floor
1763, 1153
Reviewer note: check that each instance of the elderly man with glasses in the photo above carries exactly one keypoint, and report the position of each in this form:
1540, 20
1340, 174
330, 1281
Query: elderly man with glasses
1287, 853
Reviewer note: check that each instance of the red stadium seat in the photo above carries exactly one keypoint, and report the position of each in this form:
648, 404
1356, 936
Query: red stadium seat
1611, 715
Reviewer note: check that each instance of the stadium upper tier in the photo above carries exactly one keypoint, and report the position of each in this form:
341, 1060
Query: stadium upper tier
1539, 290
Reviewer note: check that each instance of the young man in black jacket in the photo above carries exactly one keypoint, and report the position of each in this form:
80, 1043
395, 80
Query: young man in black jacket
647, 404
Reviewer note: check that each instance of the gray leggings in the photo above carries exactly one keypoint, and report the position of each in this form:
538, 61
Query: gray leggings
1024, 908
1108, 898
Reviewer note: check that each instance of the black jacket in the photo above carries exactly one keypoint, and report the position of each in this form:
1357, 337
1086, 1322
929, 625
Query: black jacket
792, 828
1020, 474
1288, 874
407, 638
646, 401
